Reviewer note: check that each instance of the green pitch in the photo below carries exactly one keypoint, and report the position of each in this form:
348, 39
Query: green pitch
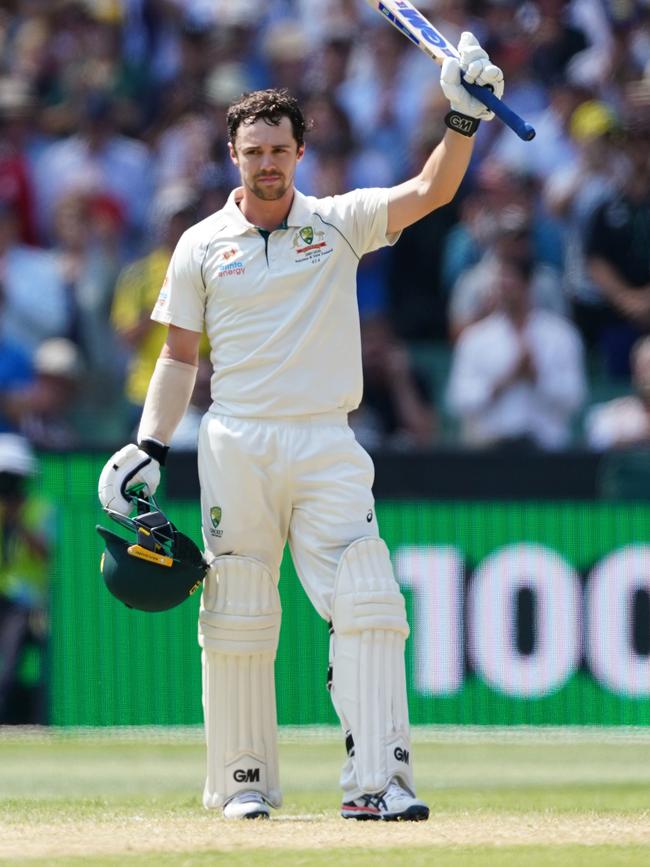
498, 798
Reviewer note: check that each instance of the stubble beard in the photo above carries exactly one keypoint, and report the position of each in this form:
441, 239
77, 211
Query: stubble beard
270, 193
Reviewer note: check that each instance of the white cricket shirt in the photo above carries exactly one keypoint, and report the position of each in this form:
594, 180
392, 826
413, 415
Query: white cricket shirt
281, 314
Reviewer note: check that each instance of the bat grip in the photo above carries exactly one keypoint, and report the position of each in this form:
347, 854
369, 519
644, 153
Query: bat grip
517, 124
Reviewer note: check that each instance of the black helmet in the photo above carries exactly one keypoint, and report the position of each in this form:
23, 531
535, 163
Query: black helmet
158, 570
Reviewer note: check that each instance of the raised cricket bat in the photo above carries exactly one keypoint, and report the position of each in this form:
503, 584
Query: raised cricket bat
422, 33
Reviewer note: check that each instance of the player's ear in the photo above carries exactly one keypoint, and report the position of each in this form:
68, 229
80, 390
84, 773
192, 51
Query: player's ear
233, 153
301, 152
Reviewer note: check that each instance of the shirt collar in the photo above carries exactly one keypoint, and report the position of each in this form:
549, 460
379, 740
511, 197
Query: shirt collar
299, 215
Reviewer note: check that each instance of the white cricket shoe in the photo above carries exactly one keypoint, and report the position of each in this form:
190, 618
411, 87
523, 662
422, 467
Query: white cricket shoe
246, 805
394, 804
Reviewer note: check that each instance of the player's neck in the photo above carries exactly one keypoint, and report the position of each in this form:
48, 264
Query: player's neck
263, 214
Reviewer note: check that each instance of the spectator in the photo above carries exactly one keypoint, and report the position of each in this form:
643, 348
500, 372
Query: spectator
16, 103
99, 160
617, 254
396, 410
44, 412
572, 193
624, 421
552, 145
499, 188
137, 291
517, 376
472, 296
25, 525
16, 374
87, 232
35, 302
416, 295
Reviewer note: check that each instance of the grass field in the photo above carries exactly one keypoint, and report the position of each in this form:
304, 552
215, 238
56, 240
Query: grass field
499, 798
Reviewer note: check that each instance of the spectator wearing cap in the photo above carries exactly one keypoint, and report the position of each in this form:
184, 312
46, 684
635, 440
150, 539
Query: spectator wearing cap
137, 290
35, 302
44, 412
26, 526
617, 249
572, 194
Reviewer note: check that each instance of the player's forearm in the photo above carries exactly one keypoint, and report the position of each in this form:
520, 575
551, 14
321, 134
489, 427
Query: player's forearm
168, 397
445, 169
435, 186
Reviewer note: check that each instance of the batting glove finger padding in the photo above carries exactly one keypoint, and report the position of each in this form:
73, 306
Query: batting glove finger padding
472, 57
126, 469
476, 68
459, 98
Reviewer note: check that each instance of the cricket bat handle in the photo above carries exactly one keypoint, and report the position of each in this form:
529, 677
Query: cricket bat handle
517, 124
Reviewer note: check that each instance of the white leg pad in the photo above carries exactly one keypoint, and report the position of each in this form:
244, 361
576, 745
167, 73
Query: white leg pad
239, 627
368, 675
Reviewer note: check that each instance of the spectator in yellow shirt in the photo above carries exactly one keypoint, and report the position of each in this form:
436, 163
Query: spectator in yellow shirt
137, 290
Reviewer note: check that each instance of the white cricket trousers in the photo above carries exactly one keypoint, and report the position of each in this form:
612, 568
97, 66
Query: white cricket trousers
305, 480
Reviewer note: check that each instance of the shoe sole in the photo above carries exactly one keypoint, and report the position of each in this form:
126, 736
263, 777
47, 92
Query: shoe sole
258, 814
255, 814
416, 813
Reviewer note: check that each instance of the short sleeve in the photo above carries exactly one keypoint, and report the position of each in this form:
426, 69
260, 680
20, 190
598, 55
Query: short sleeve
181, 300
362, 216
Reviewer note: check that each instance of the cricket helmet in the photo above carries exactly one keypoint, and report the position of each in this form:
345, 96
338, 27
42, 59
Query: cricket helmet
156, 570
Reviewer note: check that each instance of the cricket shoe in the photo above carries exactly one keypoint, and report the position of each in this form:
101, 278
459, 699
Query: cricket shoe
394, 804
246, 805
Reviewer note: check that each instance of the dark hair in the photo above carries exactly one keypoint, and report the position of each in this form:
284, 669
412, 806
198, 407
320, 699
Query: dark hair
270, 106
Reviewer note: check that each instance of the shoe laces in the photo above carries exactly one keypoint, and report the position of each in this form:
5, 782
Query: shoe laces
394, 789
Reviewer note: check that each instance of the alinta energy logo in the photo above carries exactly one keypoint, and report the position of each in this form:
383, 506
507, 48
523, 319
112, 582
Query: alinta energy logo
230, 265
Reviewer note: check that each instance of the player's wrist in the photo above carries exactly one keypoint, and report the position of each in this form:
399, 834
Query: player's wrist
154, 448
462, 123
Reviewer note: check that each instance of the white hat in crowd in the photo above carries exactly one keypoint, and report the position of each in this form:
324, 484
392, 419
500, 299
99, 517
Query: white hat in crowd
16, 455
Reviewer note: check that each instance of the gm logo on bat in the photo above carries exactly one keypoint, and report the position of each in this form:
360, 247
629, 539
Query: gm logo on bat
419, 23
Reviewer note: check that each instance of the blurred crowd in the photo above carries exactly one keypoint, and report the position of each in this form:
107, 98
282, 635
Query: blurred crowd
511, 316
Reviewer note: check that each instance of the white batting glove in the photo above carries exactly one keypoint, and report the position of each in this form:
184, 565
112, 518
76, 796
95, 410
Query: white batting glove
125, 469
477, 69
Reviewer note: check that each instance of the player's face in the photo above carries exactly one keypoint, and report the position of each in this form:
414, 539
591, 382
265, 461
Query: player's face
266, 156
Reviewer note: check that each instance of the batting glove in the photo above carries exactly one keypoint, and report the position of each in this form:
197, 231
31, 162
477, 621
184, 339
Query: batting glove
124, 471
477, 69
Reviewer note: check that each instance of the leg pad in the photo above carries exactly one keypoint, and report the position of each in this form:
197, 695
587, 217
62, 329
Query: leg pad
239, 627
368, 677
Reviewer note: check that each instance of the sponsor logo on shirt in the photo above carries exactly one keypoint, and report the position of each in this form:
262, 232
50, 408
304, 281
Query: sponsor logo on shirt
229, 264
310, 245
164, 292
215, 520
